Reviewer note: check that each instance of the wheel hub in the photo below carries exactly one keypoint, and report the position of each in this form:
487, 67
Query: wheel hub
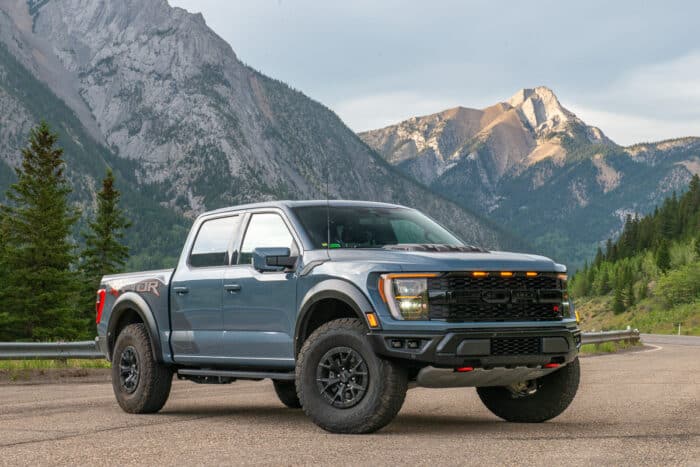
129, 369
342, 377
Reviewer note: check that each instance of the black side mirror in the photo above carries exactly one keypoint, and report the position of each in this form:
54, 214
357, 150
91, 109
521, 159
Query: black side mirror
273, 259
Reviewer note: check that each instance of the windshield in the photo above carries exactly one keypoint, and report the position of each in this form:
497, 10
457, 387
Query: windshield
371, 227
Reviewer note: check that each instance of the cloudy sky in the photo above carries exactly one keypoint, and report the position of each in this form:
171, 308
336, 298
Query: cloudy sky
630, 67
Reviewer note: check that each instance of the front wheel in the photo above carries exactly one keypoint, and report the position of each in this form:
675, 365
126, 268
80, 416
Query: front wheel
343, 386
534, 401
140, 383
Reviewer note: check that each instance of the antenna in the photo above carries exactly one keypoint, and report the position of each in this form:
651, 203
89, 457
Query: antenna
328, 207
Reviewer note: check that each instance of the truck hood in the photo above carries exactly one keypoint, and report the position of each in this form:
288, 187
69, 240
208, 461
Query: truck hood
414, 261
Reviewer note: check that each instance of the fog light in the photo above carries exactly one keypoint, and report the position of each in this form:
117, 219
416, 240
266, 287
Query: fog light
396, 343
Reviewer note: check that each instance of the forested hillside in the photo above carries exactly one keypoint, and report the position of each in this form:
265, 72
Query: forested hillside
650, 276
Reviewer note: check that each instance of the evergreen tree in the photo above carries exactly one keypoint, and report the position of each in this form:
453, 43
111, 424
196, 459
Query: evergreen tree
105, 252
618, 303
663, 256
604, 284
40, 289
598, 258
697, 247
629, 295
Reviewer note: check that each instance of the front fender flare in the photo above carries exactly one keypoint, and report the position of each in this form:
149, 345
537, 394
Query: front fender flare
132, 301
331, 288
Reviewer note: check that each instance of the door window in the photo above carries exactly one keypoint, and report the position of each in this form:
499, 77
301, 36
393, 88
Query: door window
265, 230
212, 243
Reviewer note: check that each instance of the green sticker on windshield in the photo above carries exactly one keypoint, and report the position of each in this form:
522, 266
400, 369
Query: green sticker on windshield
335, 245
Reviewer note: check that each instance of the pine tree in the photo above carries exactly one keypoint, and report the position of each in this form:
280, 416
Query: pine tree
663, 256
629, 295
105, 252
697, 247
618, 303
40, 294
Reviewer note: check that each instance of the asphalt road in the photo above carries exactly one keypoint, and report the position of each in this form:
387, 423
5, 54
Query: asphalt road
632, 408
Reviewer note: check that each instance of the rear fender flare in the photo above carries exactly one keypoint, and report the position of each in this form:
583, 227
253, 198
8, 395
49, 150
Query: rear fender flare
132, 301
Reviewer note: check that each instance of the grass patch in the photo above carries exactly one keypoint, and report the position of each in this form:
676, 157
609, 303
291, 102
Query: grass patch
649, 316
607, 347
18, 365
25, 370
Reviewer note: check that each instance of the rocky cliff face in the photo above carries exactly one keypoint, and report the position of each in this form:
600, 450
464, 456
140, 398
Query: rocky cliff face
162, 90
535, 167
531, 126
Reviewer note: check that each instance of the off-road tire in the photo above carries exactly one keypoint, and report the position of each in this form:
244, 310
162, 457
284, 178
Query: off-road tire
386, 385
555, 392
287, 393
154, 379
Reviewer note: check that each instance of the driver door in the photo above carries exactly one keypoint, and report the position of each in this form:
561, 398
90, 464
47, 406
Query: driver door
259, 308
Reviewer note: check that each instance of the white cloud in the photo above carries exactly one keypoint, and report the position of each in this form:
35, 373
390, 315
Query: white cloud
627, 129
647, 103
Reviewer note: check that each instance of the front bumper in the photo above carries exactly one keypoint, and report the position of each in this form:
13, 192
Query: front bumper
481, 348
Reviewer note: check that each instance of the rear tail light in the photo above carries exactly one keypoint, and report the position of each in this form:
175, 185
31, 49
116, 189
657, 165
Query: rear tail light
100, 304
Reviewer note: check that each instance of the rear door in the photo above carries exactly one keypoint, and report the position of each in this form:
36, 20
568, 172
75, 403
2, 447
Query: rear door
196, 291
259, 308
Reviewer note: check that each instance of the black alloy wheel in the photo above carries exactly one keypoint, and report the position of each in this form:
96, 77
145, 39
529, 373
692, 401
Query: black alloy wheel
129, 369
342, 377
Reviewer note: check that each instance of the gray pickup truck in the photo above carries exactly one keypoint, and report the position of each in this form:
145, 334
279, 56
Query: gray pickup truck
344, 305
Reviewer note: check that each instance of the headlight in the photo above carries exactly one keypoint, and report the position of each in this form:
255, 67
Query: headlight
406, 295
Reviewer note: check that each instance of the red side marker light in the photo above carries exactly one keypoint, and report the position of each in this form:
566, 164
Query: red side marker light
464, 369
551, 365
100, 304
555, 308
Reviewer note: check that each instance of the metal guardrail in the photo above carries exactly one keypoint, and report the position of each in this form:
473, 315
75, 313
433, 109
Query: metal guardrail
49, 350
89, 350
628, 335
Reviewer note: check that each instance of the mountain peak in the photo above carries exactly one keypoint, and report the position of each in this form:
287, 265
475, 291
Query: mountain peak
540, 92
541, 110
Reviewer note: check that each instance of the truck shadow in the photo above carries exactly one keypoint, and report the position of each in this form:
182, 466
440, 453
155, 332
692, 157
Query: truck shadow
410, 423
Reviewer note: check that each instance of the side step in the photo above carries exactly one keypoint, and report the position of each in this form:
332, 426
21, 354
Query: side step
289, 376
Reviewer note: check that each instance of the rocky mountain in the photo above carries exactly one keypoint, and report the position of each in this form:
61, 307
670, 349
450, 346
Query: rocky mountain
151, 90
535, 167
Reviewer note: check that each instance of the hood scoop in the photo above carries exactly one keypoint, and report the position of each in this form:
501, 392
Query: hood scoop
435, 248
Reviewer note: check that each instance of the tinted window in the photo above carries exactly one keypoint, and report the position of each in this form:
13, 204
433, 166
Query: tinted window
265, 230
370, 227
211, 245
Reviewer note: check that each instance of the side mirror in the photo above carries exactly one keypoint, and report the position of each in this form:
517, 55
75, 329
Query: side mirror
273, 259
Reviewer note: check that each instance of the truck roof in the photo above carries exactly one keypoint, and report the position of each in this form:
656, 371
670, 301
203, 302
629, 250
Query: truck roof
302, 203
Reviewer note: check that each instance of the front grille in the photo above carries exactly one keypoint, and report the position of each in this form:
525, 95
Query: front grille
515, 346
463, 298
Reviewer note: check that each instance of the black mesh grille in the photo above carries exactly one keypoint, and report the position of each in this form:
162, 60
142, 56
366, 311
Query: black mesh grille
463, 298
515, 346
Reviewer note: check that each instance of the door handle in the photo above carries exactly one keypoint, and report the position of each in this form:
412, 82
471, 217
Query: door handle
181, 290
232, 288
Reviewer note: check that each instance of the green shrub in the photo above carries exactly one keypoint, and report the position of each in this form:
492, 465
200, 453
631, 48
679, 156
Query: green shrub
680, 286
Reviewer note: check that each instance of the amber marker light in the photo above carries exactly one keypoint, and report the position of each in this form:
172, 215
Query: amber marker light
531, 274
480, 273
506, 274
372, 320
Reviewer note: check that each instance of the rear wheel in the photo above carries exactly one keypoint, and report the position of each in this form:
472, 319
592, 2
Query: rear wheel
534, 401
343, 386
287, 393
140, 383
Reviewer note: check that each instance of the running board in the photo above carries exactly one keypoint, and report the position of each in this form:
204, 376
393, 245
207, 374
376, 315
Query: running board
238, 374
